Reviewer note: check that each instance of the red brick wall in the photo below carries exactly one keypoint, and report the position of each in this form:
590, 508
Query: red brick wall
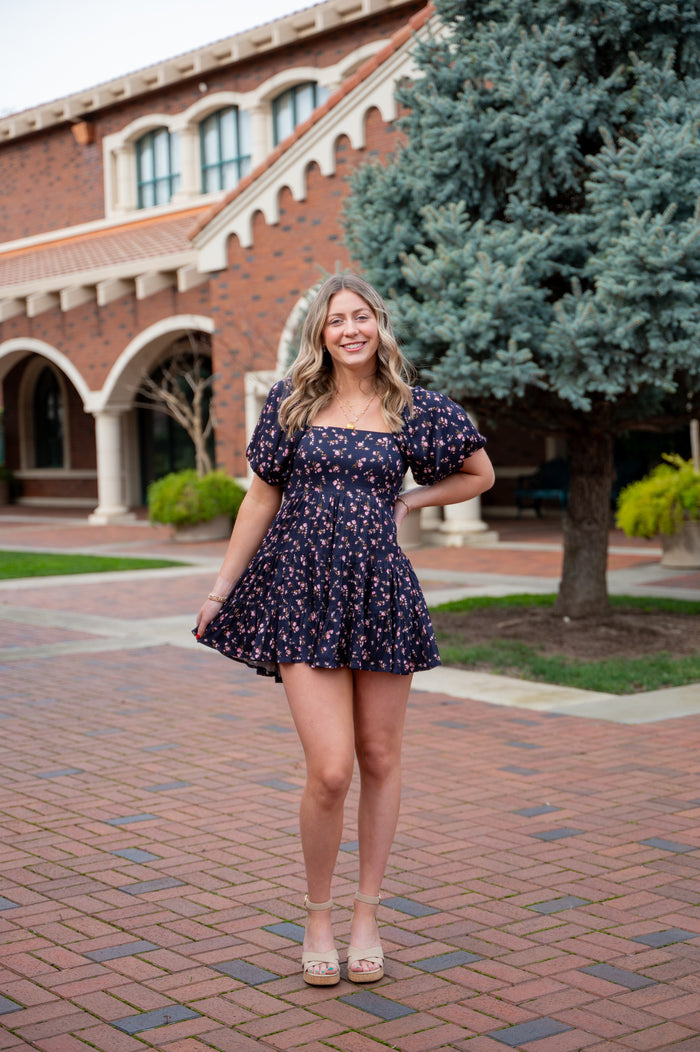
93, 337
252, 300
81, 433
249, 302
49, 182
81, 442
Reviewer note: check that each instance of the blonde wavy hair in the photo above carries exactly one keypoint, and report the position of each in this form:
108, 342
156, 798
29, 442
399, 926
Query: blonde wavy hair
311, 375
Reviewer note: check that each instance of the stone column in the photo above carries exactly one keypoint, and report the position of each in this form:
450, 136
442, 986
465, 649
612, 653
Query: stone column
462, 524
110, 469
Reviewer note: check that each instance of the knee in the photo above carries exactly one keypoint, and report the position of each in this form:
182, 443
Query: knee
377, 761
330, 784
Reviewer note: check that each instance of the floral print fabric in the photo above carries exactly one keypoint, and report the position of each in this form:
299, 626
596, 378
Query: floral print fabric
329, 585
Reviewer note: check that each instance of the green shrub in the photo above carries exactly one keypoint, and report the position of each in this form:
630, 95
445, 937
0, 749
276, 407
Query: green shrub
184, 499
662, 500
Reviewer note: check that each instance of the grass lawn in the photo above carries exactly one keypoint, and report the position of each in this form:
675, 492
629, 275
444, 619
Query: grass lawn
526, 659
47, 564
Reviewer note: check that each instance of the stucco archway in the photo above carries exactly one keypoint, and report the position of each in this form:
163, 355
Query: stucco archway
115, 419
139, 355
14, 350
66, 477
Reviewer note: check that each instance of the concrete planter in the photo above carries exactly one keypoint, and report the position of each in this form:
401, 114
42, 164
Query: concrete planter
215, 530
681, 551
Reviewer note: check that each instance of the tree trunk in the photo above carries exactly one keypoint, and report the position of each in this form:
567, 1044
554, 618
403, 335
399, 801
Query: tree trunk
583, 591
203, 464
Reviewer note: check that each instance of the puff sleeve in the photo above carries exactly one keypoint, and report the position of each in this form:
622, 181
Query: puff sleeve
270, 451
438, 437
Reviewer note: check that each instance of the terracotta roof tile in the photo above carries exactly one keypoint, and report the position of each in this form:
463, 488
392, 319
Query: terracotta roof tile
142, 239
398, 39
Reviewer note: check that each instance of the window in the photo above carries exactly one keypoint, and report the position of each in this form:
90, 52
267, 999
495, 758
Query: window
157, 167
292, 107
226, 148
48, 421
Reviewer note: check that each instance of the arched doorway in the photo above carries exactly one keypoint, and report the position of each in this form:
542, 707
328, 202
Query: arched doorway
173, 407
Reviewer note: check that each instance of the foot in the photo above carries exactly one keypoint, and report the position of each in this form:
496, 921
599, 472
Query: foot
365, 957
319, 957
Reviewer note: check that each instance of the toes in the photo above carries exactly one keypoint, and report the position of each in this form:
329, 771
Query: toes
367, 964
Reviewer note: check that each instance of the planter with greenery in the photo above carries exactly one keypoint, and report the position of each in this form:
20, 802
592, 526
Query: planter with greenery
666, 503
200, 508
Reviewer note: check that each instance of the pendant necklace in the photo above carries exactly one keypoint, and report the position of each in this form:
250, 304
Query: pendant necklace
347, 411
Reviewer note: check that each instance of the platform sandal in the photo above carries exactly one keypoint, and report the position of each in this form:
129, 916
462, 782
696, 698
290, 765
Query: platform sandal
372, 953
325, 958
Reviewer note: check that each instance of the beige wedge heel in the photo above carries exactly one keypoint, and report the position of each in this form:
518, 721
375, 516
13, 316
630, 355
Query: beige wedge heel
325, 959
372, 953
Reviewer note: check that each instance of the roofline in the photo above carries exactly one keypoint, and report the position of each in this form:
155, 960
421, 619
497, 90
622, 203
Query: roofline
397, 41
268, 36
89, 231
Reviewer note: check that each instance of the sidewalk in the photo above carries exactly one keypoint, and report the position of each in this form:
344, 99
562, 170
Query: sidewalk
527, 558
542, 893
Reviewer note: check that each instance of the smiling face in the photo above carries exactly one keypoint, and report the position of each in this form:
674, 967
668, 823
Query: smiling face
351, 334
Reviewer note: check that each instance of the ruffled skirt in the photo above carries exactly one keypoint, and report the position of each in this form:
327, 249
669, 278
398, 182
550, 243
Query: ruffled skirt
328, 597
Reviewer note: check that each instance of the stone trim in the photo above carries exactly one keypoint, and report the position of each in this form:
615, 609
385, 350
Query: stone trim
282, 32
118, 149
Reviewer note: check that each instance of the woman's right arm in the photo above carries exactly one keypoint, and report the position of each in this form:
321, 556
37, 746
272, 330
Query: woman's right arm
258, 508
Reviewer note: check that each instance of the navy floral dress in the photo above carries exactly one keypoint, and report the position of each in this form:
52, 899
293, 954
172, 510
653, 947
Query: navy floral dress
329, 585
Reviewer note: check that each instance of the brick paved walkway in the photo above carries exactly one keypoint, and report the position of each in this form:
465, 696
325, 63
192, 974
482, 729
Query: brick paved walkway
543, 893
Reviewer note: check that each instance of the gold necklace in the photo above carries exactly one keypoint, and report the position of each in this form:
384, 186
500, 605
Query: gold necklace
347, 411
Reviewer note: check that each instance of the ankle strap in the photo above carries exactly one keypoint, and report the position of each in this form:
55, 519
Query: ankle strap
371, 900
309, 905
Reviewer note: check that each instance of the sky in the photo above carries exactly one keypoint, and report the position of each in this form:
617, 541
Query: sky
52, 48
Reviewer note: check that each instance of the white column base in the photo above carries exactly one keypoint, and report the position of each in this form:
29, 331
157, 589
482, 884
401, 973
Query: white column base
462, 525
109, 516
455, 535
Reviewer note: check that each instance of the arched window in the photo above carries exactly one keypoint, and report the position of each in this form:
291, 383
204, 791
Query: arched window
157, 167
293, 106
48, 421
227, 148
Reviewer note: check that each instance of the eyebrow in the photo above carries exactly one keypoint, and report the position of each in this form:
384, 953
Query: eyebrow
341, 314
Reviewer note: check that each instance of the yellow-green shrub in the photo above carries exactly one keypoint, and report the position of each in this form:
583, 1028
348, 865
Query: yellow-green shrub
662, 500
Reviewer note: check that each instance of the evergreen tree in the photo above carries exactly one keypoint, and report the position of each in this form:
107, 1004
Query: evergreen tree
539, 233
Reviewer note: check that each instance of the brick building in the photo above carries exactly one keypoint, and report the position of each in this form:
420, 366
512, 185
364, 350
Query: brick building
198, 196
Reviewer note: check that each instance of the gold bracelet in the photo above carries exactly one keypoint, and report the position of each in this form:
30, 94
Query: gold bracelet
400, 500
217, 598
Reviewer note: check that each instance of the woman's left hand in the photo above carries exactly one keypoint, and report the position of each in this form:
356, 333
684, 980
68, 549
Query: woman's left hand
401, 510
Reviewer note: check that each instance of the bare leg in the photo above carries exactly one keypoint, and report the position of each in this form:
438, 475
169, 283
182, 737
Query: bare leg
321, 703
379, 712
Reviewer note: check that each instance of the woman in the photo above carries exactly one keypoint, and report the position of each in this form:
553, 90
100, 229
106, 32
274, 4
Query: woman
316, 591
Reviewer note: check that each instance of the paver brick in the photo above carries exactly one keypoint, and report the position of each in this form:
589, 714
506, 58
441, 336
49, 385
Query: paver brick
62, 1043
659, 1037
222, 844
233, 1041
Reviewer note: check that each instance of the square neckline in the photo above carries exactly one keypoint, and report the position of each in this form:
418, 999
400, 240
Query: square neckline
343, 427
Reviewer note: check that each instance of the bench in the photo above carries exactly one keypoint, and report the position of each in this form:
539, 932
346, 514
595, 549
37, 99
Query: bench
549, 482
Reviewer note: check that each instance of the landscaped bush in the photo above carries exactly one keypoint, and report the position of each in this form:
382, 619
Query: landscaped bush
662, 501
184, 498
